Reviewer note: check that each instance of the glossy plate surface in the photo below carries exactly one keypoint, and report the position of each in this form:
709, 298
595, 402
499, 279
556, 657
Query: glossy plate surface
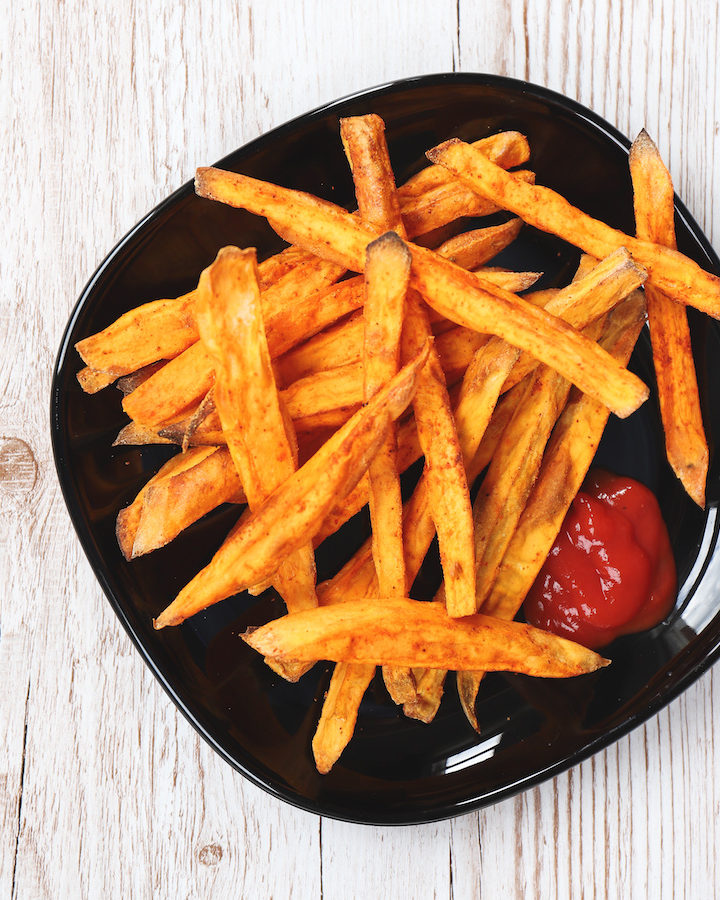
395, 770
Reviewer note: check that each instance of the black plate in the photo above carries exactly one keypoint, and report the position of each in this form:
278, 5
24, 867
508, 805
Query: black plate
394, 770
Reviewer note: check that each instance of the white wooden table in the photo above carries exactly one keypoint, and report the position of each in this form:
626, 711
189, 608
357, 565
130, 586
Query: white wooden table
105, 790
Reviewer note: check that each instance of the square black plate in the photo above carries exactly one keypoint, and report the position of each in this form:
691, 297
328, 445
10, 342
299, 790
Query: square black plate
395, 770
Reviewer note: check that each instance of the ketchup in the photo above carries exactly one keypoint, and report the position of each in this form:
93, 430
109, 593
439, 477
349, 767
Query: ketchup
611, 570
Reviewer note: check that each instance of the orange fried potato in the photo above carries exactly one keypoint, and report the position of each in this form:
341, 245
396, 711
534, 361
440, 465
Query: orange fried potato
685, 442
387, 272
447, 202
260, 437
408, 633
386, 277
339, 713
185, 489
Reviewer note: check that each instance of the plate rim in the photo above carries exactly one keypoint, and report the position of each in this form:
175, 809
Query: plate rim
63, 469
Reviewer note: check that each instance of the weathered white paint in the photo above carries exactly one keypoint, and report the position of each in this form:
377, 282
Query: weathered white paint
106, 790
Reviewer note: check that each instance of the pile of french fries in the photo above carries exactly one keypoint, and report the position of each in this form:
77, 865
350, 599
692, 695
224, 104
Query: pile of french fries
301, 392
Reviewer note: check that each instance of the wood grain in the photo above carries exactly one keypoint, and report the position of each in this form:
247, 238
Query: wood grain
106, 790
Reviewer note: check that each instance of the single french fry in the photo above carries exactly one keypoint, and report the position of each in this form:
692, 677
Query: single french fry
93, 380
387, 271
134, 435
294, 512
444, 474
386, 278
685, 441
339, 713
473, 249
430, 684
450, 499
338, 345
410, 633
512, 282
127, 384
671, 272
172, 502
204, 409
386, 275
176, 387
325, 391
124, 347
506, 149
230, 320
326, 229
363, 139
129, 517
447, 202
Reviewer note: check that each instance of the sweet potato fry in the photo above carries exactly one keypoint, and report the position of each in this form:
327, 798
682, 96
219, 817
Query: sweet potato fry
676, 275
387, 271
176, 387
446, 203
339, 713
386, 275
93, 380
685, 441
134, 435
320, 392
444, 473
294, 512
321, 227
171, 501
472, 249
129, 518
425, 704
408, 633
260, 437
450, 500
126, 346
338, 345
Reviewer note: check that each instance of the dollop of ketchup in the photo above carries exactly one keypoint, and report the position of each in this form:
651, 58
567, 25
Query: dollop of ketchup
611, 570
